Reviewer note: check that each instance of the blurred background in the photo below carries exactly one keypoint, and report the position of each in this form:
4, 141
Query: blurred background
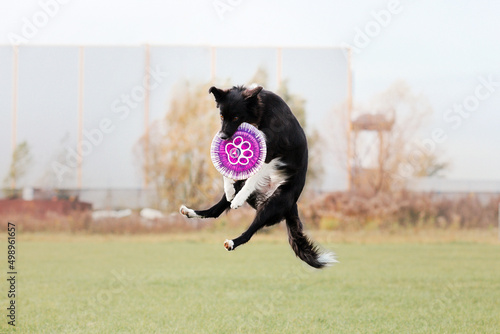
107, 121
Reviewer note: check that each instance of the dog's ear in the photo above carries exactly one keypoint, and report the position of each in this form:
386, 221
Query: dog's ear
251, 93
219, 94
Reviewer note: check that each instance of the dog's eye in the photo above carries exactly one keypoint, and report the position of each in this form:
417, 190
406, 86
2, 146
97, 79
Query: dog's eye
221, 117
236, 118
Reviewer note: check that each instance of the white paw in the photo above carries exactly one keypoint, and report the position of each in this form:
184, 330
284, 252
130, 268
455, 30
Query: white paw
238, 201
188, 212
229, 244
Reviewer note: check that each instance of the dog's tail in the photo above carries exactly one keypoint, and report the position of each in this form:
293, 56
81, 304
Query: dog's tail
303, 246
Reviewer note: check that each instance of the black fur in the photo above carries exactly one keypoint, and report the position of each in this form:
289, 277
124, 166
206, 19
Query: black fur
286, 141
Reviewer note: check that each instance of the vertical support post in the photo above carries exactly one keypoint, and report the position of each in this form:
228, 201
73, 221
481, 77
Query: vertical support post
380, 159
279, 66
349, 120
213, 63
147, 83
15, 89
81, 66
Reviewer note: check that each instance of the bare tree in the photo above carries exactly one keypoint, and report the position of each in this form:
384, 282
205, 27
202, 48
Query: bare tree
19, 166
177, 157
260, 77
58, 174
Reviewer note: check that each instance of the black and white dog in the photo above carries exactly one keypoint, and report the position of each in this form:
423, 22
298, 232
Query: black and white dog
274, 190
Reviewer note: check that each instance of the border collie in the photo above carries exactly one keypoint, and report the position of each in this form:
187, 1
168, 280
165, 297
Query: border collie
274, 190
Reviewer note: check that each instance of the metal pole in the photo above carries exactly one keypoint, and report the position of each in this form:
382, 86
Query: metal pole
147, 79
80, 115
349, 120
213, 59
15, 87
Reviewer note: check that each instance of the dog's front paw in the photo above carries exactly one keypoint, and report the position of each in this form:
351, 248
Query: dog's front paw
229, 245
190, 213
238, 200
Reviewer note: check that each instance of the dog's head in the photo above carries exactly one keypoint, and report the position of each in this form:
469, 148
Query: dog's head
237, 105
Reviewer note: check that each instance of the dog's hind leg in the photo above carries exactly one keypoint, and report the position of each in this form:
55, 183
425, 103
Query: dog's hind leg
272, 212
213, 212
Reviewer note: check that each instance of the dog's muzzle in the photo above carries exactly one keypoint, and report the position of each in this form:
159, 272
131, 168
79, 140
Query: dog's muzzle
223, 135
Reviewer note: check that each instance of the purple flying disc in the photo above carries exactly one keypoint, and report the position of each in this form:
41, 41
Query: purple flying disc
241, 156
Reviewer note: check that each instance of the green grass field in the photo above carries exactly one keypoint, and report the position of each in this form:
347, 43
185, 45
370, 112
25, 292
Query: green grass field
95, 284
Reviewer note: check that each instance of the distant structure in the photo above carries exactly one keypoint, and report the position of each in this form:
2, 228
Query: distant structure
378, 123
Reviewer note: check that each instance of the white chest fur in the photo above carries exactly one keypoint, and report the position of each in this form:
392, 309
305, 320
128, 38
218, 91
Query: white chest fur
264, 183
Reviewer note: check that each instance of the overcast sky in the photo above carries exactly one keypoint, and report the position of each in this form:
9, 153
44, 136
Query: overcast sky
443, 49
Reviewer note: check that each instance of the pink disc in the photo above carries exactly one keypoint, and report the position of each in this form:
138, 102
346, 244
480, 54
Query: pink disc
242, 155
